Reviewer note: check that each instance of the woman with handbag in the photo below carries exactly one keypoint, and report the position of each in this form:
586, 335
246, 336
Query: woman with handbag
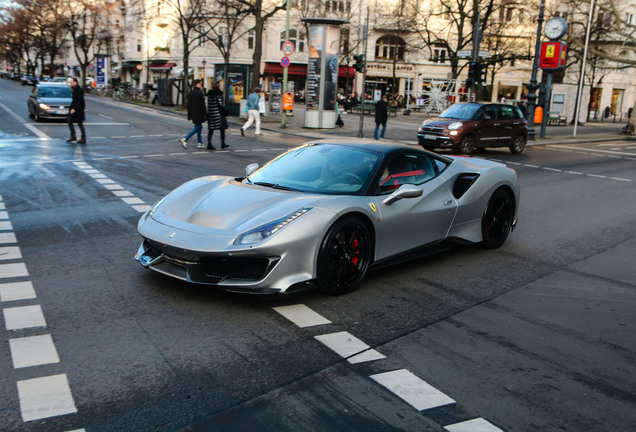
216, 115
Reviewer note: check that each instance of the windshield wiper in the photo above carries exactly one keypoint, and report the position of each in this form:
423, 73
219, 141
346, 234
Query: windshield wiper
277, 186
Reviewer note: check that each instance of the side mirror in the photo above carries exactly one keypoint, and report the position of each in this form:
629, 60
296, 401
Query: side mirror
251, 168
405, 191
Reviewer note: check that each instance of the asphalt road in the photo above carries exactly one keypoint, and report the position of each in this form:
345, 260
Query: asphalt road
534, 336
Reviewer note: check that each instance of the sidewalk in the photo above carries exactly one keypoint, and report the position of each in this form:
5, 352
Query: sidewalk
593, 131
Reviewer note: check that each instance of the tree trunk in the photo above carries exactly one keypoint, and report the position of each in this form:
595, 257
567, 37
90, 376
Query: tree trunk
258, 49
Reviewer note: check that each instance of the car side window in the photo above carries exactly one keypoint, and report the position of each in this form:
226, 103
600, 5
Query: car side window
406, 169
507, 112
492, 112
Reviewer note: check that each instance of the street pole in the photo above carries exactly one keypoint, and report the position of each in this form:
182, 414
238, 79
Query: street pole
533, 86
283, 118
475, 54
582, 74
364, 74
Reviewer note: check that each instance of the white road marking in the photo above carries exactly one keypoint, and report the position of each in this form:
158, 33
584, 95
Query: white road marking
13, 270
8, 237
596, 175
98, 176
138, 136
33, 351
346, 345
122, 193
142, 208
91, 171
133, 200
413, 390
23, 317
113, 187
10, 253
105, 116
105, 181
45, 397
474, 425
577, 150
2, 207
4, 215
301, 315
620, 179
16, 291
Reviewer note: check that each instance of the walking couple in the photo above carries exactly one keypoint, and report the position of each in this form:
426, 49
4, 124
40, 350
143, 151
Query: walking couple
215, 114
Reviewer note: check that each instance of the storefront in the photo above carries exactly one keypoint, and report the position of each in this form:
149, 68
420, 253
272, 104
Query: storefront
297, 73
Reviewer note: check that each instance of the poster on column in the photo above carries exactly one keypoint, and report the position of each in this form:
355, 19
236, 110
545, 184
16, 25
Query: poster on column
102, 71
316, 38
331, 73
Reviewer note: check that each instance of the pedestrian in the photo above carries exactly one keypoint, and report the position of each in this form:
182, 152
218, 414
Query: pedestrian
381, 116
76, 112
217, 113
253, 113
196, 113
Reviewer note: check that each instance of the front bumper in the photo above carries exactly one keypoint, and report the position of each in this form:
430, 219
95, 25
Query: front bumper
233, 273
432, 140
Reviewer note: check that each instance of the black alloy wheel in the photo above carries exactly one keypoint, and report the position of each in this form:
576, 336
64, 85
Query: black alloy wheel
496, 222
344, 258
467, 145
518, 144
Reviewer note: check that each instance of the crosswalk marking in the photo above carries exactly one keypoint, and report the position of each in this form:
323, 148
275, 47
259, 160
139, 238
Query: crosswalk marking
301, 315
33, 351
22, 317
413, 390
10, 253
45, 397
347, 345
474, 425
13, 270
16, 291
7, 238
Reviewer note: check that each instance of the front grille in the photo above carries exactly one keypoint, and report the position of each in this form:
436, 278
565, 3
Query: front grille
432, 129
209, 268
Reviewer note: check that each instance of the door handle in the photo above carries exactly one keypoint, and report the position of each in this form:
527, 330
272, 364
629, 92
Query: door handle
448, 202
497, 124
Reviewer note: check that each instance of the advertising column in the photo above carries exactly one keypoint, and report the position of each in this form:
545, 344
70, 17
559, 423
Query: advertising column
322, 72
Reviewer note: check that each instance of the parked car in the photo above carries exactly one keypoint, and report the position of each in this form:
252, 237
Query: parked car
322, 214
28, 80
50, 101
465, 127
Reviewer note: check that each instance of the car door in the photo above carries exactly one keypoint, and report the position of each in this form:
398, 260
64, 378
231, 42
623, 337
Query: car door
489, 128
409, 223
509, 123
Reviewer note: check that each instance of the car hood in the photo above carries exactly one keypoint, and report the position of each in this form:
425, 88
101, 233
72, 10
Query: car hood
55, 101
224, 206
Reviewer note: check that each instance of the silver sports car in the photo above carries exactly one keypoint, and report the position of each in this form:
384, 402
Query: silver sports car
323, 213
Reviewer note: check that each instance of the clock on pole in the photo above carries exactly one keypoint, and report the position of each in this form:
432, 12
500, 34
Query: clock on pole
555, 28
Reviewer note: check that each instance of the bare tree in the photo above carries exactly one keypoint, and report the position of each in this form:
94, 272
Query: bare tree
226, 24
261, 13
15, 37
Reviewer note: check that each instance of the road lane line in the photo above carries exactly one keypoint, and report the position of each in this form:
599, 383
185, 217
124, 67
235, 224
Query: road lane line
7, 238
413, 390
10, 253
16, 291
621, 179
474, 425
22, 317
13, 270
33, 351
45, 397
301, 315
577, 150
347, 345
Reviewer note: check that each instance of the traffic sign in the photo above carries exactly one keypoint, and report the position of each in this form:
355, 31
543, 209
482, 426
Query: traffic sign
288, 48
284, 62
464, 53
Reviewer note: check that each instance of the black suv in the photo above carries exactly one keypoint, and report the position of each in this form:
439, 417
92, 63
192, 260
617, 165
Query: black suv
464, 127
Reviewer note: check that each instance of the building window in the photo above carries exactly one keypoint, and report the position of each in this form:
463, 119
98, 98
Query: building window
390, 48
138, 45
223, 36
294, 37
439, 55
202, 36
250, 39
629, 19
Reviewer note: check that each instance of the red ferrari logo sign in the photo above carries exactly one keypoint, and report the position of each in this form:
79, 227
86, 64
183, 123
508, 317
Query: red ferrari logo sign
552, 55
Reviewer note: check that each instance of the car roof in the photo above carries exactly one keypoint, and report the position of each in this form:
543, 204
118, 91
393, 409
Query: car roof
52, 84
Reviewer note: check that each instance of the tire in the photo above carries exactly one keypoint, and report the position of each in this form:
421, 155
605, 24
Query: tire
496, 222
518, 144
467, 145
36, 116
344, 258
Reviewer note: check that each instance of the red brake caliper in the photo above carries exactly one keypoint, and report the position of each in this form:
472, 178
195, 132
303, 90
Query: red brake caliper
356, 253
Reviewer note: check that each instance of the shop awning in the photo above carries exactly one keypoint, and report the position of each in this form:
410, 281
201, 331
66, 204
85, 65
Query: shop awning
130, 63
301, 69
162, 66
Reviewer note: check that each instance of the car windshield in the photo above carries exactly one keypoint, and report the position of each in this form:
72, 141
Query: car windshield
319, 168
55, 92
464, 111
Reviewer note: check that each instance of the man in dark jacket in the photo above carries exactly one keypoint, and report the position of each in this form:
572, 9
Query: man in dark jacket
381, 116
76, 112
196, 113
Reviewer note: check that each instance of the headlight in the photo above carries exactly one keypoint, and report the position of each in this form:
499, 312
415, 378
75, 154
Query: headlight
455, 126
45, 106
152, 209
264, 231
